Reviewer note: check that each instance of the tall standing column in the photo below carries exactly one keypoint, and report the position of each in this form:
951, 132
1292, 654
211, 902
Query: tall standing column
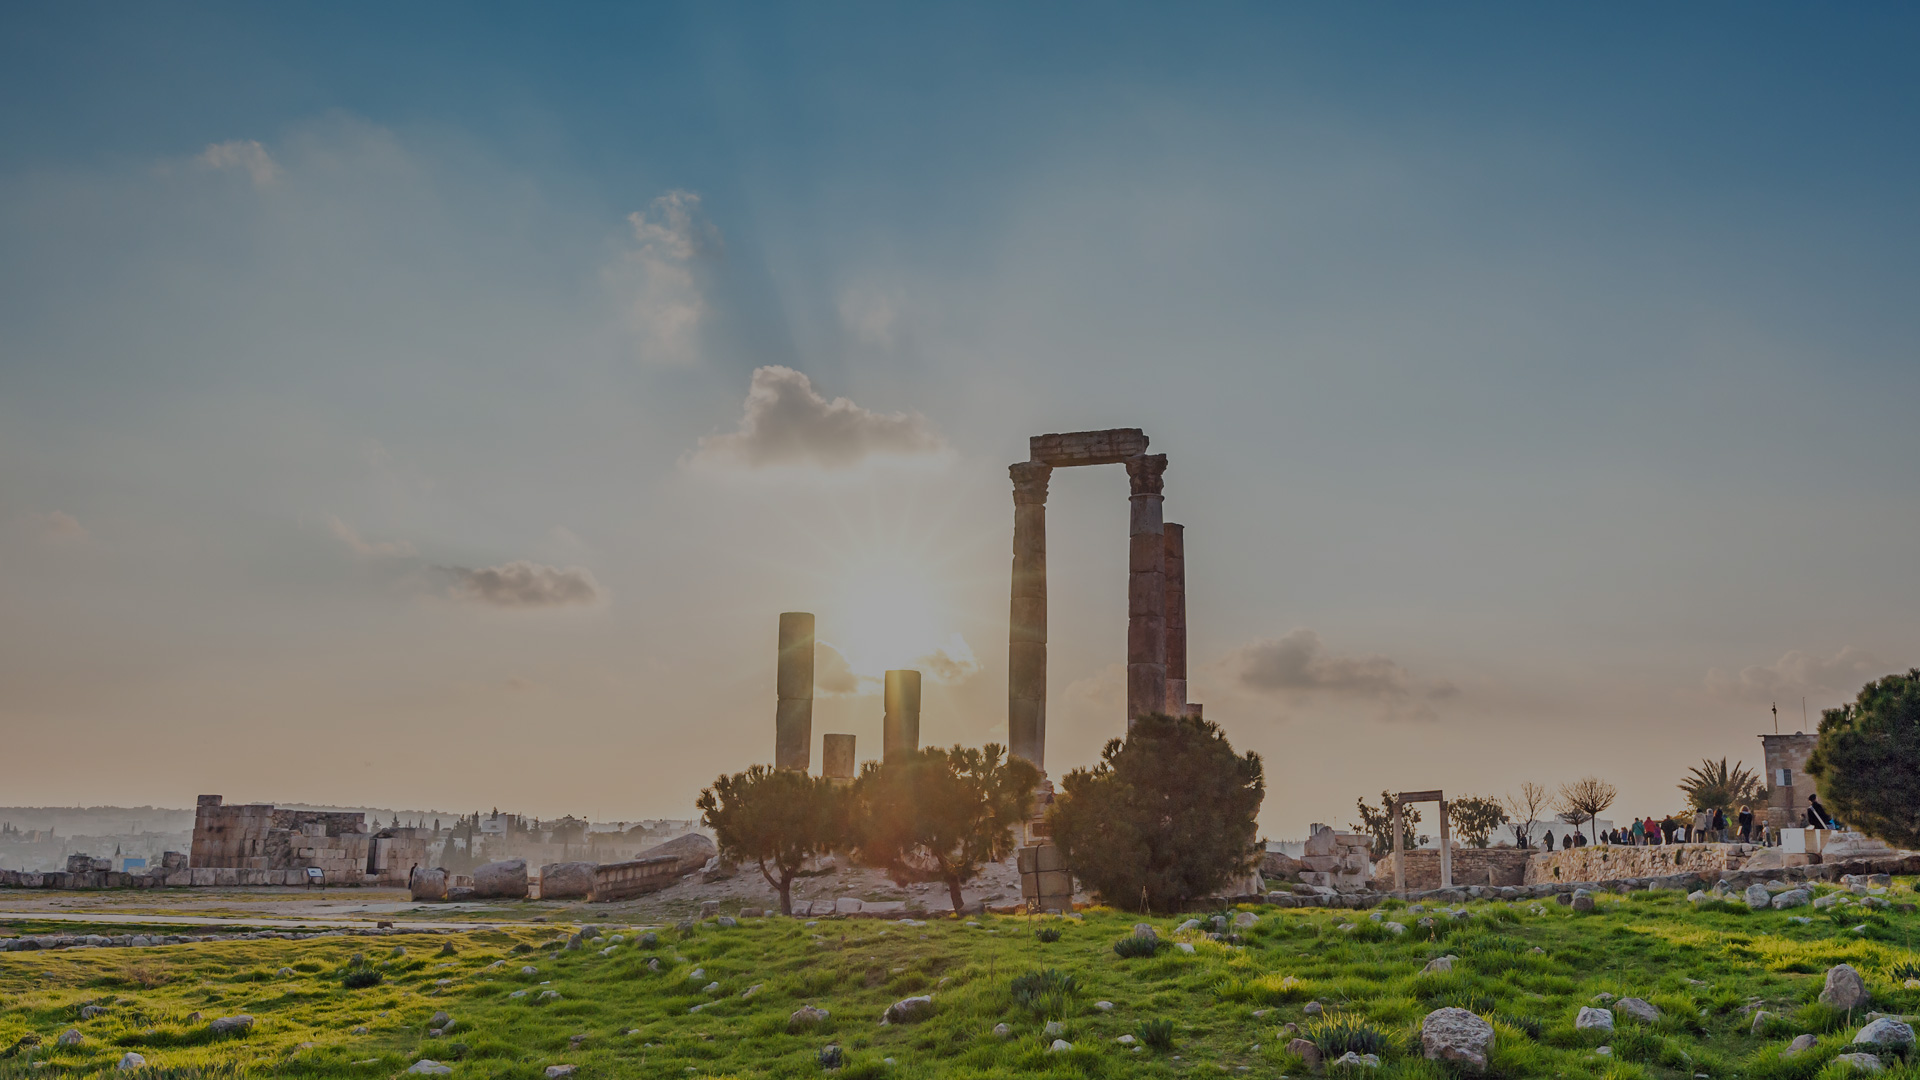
793, 713
1146, 589
1027, 623
1176, 571
900, 726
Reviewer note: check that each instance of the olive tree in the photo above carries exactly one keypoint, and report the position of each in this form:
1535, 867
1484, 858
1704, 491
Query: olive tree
940, 815
776, 819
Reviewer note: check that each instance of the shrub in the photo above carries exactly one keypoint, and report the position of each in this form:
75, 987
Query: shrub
360, 976
1047, 934
1167, 815
1155, 1034
1902, 970
1131, 947
1045, 992
1338, 1033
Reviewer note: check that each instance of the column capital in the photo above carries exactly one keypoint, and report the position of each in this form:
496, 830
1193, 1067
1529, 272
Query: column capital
1147, 473
1030, 482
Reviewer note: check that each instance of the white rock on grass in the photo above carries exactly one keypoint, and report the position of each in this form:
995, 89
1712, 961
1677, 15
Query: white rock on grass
1638, 1008
555, 1072
1352, 1060
227, 1024
69, 1037
1439, 965
1003, 1031
1103, 1006
430, 1067
1886, 1032
131, 1061
1591, 1019
1792, 898
1844, 989
1125, 1040
1053, 1028
1799, 1043
1060, 1045
1760, 1019
1456, 1035
1184, 946
1862, 1062
908, 1010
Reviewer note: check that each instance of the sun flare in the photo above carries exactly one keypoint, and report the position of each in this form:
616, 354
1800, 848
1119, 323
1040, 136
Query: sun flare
888, 612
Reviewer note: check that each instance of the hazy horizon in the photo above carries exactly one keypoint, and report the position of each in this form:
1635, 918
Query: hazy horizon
440, 405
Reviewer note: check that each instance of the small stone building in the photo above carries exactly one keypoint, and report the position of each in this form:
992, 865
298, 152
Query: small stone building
1788, 784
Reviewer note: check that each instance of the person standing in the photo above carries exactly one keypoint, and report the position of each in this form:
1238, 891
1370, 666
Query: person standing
1639, 832
1746, 824
1817, 816
1549, 840
1720, 824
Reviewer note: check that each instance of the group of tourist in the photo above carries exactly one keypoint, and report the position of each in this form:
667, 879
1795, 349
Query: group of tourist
1707, 827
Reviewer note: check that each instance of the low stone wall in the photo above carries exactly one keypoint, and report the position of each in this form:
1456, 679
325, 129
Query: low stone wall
624, 880
1610, 862
202, 877
1471, 866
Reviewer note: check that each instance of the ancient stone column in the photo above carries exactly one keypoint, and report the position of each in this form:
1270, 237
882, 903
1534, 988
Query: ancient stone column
793, 714
900, 727
1176, 572
1146, 590
836, 758
1027, 625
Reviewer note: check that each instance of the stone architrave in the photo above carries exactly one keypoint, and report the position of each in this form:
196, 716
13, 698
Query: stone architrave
1027, 626
793, 712
900, 726
1146, 588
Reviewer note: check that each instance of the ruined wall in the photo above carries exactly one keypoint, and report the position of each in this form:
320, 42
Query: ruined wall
1471, 866
1608, 862
276, 847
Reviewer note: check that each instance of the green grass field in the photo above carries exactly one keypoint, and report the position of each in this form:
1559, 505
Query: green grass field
628, 1013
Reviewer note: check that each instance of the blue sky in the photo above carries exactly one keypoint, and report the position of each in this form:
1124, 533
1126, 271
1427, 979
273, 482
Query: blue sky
1535, 383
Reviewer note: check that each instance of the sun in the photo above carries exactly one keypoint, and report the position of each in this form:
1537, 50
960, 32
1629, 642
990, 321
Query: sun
888, 611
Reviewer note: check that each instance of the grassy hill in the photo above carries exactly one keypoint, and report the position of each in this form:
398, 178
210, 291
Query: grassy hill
1527, 966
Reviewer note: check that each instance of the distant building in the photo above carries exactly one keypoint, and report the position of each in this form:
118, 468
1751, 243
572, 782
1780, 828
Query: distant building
1787, 782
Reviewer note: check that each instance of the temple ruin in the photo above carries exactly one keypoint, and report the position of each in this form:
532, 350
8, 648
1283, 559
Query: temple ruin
259, 844
1156, 585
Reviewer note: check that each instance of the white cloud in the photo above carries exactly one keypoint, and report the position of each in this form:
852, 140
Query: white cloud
869, 317
787, 422
833, 676
383, 549
1800, 673
1298, 664
662, 305
523, 584
950, 663
243, 154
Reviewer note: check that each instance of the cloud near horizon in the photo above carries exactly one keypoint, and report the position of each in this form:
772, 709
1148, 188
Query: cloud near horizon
787, 422
1298, 662
1797, 673
524, 584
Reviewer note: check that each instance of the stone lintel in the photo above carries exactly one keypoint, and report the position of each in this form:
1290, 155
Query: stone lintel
1110, 447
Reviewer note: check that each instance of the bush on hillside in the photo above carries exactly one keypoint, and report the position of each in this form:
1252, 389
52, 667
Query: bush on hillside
1165, 818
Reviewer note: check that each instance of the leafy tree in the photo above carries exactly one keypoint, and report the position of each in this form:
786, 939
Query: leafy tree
1711, 785
1584, 800
775, 818
1167, 815
940, 815
1525, 809
1378, 823
1867, 760
1475, 817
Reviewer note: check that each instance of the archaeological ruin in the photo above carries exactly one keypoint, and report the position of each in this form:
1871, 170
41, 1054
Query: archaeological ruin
1156, 585
259, 844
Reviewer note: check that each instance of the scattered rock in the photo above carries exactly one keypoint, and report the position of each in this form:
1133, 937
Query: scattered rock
131, 1060
1758, 898
908, 1010
1638, 1008
1308, 1052
92, 1011
1456, 1035
440, 1020
505, 879
1352, 1060
1845, 989
430, 1067
554, 1072
567, 880
1760, 1020
1799, 1043
726, 922
1003, 1031
1103, 1006
751, 990
831, 1057
1126, 1040
1887, 1032
1863, 1062
1601, 998
1313, 1008
1146, 930
1245, 919
1792, 898
1059, 1045
1593, 1019
69, 1037
1439, 965
548, 995
1582, 900
226, 1024
529, 969
1184, 946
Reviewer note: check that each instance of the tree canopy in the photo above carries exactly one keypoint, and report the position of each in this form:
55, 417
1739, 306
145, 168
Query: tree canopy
1475, 817
1167, 815
1377, 822
1867, 760
1712, 785
1585, 799
941, 815
776, 819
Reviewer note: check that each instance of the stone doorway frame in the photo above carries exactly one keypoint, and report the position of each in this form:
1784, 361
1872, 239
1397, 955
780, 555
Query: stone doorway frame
1399, 838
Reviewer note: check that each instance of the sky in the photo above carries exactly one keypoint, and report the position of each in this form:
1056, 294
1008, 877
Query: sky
437, 405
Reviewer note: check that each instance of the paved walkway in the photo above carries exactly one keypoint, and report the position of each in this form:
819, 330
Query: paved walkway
222, 920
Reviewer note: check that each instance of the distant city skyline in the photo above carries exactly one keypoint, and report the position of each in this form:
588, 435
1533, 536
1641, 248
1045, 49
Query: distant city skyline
440, 406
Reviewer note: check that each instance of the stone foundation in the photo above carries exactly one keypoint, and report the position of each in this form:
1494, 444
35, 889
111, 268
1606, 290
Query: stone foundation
1471, 866
1610, 862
